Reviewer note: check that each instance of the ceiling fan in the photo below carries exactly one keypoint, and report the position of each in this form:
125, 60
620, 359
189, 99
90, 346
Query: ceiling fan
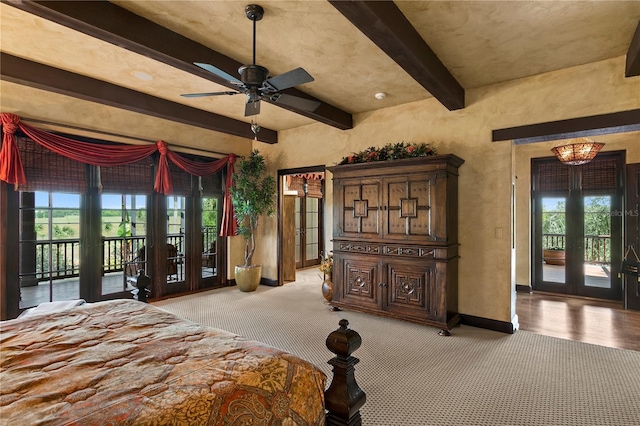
254, 79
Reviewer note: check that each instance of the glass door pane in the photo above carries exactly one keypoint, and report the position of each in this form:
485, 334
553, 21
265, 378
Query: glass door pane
597, 241
124, 229
307, 239
175, 238
311, 231
298, 233
210, 215
554, 230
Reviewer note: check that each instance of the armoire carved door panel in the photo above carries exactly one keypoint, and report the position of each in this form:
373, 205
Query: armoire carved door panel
409, 208
360, 210
360, 284
408, 288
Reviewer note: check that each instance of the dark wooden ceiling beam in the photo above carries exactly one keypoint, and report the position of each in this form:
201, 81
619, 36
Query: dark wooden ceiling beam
113, 24
33, 74
389, 29
603, 124
632, 67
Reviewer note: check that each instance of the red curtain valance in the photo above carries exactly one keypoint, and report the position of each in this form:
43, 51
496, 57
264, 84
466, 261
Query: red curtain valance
11, 170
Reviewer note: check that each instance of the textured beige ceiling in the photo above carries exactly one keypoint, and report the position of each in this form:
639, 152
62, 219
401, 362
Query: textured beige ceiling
480, 42
487, 42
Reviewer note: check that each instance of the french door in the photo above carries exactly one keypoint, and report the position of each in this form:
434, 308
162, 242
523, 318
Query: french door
308, 231
577, 244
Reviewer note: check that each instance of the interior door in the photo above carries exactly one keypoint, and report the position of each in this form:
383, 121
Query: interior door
631, 213
288, 259
308, 231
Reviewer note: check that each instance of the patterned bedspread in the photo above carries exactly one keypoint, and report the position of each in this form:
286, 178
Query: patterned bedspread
124, 362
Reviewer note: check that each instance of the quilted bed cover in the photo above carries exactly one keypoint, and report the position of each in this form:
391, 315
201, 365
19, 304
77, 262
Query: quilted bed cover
124, 362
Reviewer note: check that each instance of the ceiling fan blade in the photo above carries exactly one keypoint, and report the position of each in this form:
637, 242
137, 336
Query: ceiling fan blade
200, 95
289, 79
295, 101
218, 72
252, 108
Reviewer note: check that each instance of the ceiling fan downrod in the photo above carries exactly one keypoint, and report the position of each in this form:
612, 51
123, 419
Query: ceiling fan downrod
255, 13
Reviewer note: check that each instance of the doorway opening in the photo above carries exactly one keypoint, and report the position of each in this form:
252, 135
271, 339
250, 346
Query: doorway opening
301, 236
577, 235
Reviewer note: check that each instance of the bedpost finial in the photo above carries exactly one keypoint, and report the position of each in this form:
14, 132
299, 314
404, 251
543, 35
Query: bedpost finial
344, 341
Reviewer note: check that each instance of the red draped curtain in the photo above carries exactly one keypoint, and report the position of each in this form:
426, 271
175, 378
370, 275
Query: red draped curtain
11, 170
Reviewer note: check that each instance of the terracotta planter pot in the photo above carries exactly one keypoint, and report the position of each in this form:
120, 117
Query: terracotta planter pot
553, 257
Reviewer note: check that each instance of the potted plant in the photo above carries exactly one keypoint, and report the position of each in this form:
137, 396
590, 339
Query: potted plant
553, 256
252, 195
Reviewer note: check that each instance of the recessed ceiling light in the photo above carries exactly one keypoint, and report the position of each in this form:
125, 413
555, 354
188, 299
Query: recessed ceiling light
380, 95
141, 75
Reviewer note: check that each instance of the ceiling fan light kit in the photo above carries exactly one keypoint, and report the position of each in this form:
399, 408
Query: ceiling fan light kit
255, 82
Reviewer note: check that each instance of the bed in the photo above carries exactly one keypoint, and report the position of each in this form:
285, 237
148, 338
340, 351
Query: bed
127, 362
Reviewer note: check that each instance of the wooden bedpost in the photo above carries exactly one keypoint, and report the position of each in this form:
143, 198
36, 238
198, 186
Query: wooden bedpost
344, 397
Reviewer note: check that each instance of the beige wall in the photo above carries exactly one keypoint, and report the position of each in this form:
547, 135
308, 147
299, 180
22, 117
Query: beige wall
486, 286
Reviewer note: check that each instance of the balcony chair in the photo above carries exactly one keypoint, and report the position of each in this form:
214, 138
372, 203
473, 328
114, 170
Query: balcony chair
138, 262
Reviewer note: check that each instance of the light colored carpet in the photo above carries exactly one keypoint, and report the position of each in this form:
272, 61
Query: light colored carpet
413, 377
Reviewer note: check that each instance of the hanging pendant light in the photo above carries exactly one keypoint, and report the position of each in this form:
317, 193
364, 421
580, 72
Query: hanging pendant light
255, 128
578, 151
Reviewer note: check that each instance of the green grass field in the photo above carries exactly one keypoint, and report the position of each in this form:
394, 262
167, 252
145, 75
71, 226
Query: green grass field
71, 223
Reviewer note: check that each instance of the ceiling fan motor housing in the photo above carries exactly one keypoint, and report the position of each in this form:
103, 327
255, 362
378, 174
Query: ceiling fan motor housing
253, 75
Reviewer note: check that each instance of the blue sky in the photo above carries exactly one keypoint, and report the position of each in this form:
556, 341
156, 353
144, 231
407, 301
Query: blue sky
551, 204
109, 201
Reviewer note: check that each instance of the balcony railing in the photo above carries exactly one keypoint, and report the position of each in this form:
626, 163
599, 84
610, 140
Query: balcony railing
61, 258
209, 237
117, 251
597, 248
56, 259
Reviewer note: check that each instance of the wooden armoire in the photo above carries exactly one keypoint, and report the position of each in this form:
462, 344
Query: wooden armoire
395, 239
